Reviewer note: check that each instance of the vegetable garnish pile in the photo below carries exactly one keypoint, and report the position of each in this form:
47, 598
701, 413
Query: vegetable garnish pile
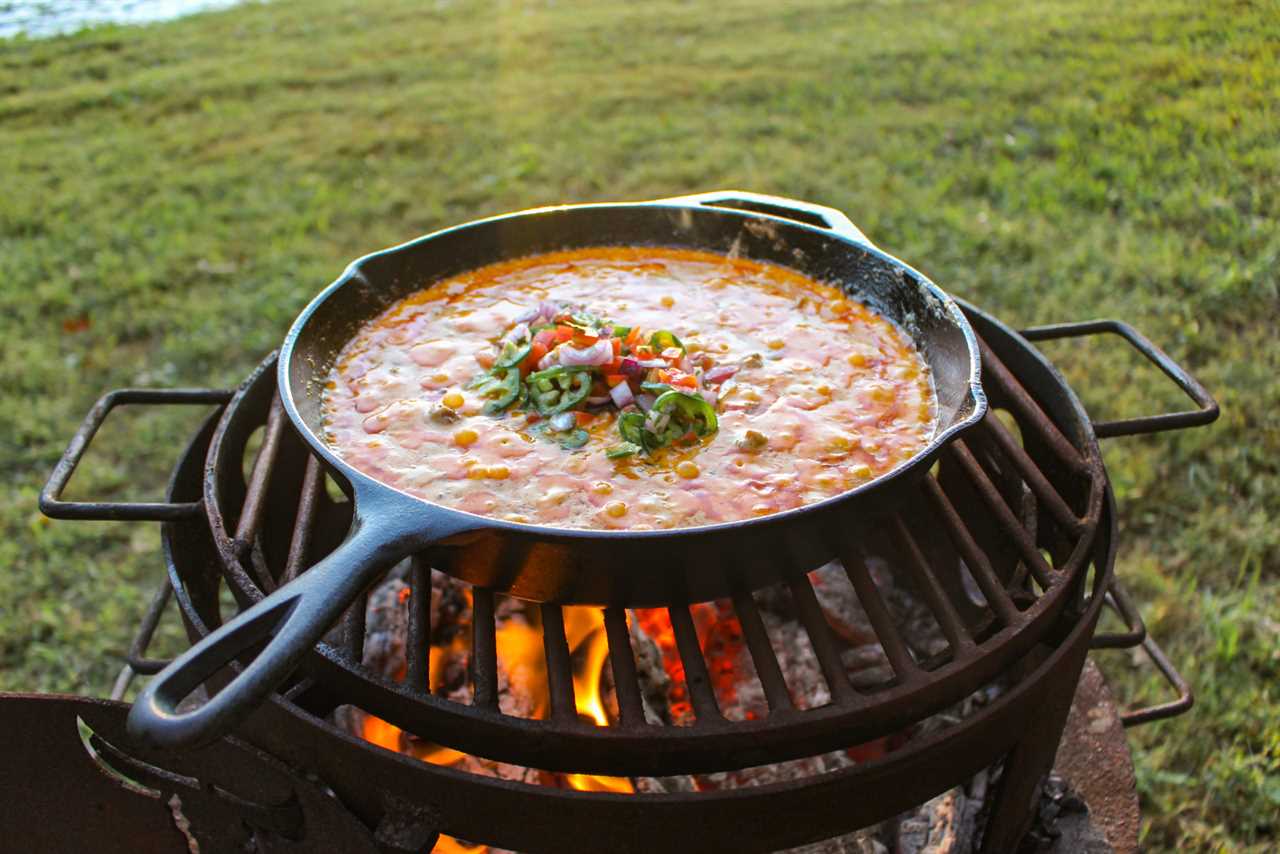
564, 366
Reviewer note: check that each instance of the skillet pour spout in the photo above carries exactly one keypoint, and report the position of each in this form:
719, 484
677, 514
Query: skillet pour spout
563, 565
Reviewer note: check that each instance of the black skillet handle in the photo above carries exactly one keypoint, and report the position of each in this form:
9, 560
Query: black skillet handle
291, 620
51, 503
1207, 408
793, 209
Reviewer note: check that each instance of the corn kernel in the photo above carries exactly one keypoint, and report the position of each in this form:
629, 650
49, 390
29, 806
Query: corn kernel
466, 436
926, 413
667, 302
498, 472
842, 444
862, 471
616, 509
882, 393
602, 487
453, 400
777, 344
858, 360
688, 470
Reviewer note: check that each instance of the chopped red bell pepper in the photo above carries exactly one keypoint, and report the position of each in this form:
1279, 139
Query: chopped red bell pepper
536, 352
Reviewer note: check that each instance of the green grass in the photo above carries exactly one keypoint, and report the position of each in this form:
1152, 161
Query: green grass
177, 192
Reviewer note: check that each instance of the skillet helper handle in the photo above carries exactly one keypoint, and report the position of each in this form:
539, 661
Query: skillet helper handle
779, 206
291, 620
1207, 408
51, 503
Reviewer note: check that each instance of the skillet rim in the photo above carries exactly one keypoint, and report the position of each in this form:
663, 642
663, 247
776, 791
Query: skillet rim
368, 490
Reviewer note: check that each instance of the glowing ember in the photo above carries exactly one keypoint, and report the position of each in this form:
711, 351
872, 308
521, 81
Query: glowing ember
719, 636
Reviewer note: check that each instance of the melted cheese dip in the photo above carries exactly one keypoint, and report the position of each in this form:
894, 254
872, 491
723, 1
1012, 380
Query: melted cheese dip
833, 394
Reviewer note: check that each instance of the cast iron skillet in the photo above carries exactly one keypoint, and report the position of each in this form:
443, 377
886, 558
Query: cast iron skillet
630, 568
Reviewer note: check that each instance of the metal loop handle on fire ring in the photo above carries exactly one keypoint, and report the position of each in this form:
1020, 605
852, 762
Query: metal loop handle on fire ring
51, 503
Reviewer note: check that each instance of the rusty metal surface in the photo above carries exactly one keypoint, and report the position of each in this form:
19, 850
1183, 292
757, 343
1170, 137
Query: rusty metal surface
68, 785
1094, 758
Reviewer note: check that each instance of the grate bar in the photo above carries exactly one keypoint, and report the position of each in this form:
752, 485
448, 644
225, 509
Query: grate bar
625, 679
916, 563
974, 558
137, 659
353, 628
762, 655
822, 640
305, 522
559, 665
484, 649
418, 677
999, 435
1031, 556
255, 499
895, 649
696, 678
1021, 400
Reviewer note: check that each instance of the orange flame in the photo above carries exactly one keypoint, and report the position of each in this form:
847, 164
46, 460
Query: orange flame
584, 630
523, 661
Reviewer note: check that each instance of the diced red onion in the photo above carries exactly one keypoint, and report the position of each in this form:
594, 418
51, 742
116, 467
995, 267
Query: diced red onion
563, 420
543, 312
652, 363
599, 353
709, 396
622, 396
596, 401
645, 401
631, 367
672, 353
550, 360
518, 332
719, 373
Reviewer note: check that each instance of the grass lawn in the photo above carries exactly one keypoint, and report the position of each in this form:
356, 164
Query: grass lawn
170, 196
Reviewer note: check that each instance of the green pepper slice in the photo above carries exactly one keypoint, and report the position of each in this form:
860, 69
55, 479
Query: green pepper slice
631, 426
502, 387
692, 407
623, 449
513, 353
570, 439
573, 439
662, 339
559, 388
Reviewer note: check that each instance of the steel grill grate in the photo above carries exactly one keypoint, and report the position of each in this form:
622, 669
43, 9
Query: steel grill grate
1003, 510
